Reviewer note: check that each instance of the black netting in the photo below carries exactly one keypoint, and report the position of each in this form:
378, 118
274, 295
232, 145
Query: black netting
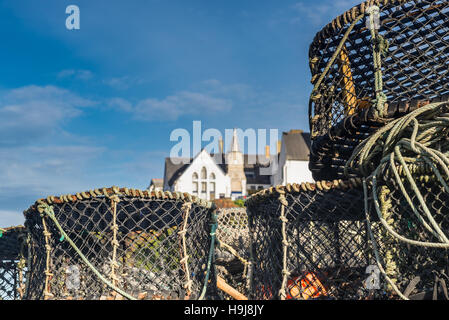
327, 254
233, 255
419, 272
413, 37
141, 251
12, 263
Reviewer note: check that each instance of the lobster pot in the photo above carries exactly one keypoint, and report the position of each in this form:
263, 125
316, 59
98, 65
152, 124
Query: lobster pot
328, 157
148, 245
12, 263
410, 46
309, 241
419, 272
233, 251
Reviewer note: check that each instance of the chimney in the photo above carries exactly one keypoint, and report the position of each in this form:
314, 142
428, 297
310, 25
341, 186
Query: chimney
279, 145
267, 152
220, 145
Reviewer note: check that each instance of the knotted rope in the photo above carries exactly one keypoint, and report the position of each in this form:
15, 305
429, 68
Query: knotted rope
285, 272
186, 212
413, 144
114, 264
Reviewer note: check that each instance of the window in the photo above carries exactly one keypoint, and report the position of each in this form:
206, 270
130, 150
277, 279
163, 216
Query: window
212, 186
195, 183
203, 173
203, 187
212, 176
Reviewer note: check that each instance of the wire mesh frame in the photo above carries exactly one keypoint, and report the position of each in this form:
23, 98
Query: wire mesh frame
12, 263
418, 272
328, 156
157, 247
330, 153
310, 241
413, 68
232, 255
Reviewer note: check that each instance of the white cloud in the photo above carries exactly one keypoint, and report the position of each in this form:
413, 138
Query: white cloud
182, 103
123, 83
33, 111
320, 13
120, 104
10, 218
80, 74
208, 98
30, 172
45, 169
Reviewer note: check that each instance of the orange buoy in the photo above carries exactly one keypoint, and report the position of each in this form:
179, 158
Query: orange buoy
305, 287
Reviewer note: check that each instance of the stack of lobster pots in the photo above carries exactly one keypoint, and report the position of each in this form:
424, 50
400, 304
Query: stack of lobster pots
371, 67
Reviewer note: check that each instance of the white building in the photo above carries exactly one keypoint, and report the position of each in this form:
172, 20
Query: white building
201, 177
234, 174
293, 159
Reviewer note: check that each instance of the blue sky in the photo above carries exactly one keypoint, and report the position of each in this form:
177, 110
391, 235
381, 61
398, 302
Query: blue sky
95, 107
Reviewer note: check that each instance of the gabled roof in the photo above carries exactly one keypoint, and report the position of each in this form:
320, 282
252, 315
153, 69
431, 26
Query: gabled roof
297, 145
173, 171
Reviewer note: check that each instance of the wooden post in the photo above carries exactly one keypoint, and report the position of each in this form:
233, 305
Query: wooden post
222, 285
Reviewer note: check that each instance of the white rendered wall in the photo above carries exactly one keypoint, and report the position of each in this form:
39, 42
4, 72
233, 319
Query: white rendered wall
222, 181
296, 172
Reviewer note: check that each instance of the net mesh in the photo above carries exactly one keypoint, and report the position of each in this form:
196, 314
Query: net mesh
12, 263
233, 255
310, 241
419, 272
150, 245
413, 39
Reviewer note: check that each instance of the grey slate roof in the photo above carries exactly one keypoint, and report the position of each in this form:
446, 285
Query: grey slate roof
173, 171
297, 145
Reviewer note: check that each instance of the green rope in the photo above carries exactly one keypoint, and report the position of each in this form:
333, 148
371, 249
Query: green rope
48, 210
214, 225
380, 47
406, 146
374, 244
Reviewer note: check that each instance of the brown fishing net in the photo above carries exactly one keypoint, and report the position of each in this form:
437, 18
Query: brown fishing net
233, 250
310, 241
121, 243
12, 262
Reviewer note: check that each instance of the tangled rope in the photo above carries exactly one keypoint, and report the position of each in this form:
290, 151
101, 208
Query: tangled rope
413, 144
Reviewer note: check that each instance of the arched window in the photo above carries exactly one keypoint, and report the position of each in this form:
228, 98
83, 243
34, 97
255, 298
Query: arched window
195, 183
203, 173
212, 185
